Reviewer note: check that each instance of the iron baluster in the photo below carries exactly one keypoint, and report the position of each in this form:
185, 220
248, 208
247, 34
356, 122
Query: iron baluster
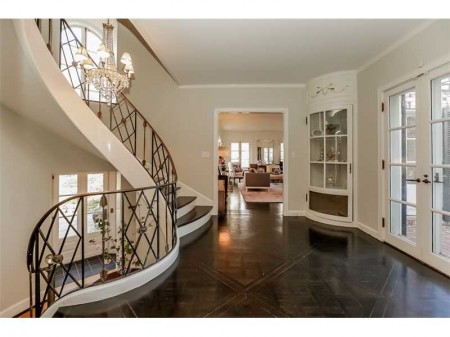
37, 281
157, 223
83, 210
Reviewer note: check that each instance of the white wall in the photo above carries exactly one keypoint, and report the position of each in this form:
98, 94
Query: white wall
425, 47
252, 137
184, 119
28, 155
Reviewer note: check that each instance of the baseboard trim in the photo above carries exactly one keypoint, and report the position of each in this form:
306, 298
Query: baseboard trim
330, 221
16, 309
369, 230
294, 213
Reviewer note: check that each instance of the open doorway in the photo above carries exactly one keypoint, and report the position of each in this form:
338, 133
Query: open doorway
251, 161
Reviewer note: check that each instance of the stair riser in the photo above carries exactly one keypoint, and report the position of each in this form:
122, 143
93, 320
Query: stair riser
193, 226
185, 209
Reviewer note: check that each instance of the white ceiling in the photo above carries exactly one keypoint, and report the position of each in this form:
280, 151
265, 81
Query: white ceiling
245, 122
268, 51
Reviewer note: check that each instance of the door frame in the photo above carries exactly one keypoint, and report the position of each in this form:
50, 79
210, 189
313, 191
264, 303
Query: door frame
285, 112
429, 72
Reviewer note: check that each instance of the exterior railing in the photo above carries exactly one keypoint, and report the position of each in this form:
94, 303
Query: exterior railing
144, 229
143, 232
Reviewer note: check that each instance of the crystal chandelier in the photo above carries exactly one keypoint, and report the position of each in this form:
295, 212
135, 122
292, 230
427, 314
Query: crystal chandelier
105, 77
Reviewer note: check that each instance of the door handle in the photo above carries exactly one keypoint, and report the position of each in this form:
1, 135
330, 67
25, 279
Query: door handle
426, 181
417, 180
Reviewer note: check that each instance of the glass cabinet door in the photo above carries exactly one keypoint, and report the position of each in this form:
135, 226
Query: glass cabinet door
330, 162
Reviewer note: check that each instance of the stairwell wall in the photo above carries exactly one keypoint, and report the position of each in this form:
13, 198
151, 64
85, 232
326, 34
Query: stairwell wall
29, 155
184, 118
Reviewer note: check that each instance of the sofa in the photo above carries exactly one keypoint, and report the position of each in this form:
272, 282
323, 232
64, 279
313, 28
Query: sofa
275, 172
257, 181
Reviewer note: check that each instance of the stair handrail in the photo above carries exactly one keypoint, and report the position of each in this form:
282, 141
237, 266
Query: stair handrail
41, 249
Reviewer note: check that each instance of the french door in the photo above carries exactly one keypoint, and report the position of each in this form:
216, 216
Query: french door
417, 174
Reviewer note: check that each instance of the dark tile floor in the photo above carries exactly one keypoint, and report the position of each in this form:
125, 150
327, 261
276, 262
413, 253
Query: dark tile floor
255, 263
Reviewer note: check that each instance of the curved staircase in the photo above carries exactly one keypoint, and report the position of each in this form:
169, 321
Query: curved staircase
123, 134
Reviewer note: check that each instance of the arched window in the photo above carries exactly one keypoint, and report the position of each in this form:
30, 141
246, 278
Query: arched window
90, 40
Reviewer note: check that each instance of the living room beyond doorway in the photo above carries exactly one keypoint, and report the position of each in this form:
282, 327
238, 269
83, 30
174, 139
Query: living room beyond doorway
251, 159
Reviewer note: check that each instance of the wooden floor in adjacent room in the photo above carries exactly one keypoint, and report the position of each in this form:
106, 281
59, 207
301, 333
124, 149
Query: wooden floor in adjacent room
255, 263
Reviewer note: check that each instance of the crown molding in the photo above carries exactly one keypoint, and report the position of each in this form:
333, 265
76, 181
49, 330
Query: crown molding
240, 86
397, 43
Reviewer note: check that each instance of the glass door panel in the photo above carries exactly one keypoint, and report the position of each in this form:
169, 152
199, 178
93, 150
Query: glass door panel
440, 166
316, 149
336, 176
336, 122
316, 175
402, 165
316, 124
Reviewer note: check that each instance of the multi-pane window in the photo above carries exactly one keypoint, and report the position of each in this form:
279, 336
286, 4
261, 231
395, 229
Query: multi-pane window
240, 154
235, 158
268, 155
72, 184
281, 152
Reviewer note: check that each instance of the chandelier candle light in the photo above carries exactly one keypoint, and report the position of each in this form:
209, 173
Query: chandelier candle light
105, 77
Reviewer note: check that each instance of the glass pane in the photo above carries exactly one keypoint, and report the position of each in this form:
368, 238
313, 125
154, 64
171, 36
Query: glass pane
336, 176
341, 148
316, 124
234, 146
336, 122
330, 153
316, 175
76, 31
441, 189
441, 235
329, 204
245, 147
441, 143
441, 97
403, 221
402, 109
403, 146
94, 212
68, 209
95, 182
401, 188
92, 42
68, 184
316, 149
63, 225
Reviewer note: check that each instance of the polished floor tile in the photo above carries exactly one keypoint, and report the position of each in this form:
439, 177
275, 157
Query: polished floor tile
256, 263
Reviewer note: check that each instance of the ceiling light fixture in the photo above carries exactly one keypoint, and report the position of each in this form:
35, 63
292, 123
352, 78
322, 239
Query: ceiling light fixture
105, 77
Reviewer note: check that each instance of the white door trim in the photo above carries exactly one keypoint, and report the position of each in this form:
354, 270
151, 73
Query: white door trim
285, 112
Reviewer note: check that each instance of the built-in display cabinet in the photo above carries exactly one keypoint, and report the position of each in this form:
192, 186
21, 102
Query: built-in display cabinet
330, 115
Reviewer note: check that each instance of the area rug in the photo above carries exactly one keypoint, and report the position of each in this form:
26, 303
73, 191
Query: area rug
275, 194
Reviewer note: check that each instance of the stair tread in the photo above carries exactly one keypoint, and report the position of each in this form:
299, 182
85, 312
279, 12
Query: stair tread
195, 214
184, 200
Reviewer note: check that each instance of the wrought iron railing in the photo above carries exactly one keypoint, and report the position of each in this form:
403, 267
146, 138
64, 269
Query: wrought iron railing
143, 233
125, 121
